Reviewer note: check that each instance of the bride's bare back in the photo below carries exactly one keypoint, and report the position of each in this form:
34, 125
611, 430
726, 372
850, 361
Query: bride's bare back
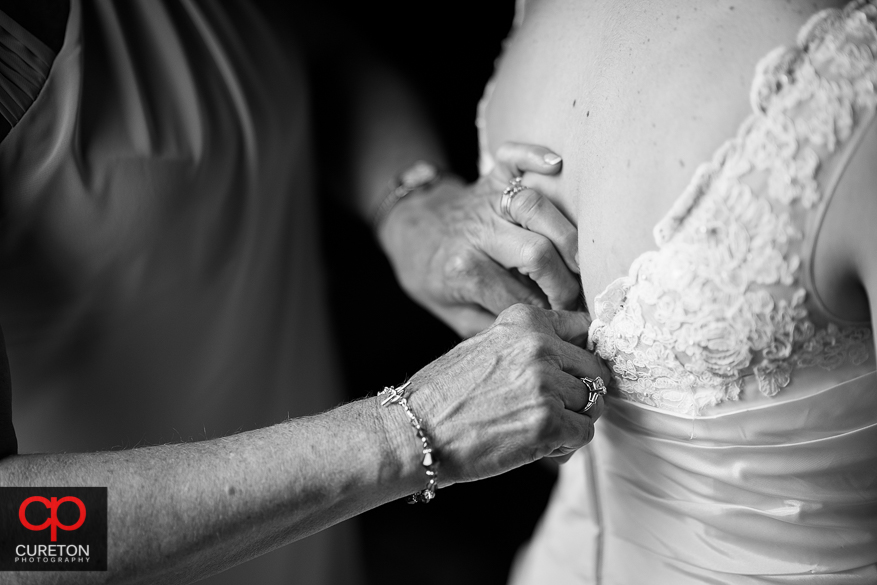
634, 95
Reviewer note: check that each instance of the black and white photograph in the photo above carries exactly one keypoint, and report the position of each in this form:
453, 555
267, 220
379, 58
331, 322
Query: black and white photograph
520, 292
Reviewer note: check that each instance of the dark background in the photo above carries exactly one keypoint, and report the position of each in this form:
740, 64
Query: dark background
470, 532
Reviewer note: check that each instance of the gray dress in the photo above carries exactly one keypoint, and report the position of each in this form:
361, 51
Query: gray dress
159, 269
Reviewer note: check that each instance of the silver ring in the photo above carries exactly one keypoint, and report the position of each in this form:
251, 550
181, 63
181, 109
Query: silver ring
596, 388
505, 204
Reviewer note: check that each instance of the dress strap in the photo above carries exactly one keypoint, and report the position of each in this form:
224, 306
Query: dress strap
25, 62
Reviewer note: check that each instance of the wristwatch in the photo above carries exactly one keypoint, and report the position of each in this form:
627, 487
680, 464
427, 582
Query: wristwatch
418, 176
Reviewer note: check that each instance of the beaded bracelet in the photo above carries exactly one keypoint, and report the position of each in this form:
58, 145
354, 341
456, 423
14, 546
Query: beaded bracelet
429, 462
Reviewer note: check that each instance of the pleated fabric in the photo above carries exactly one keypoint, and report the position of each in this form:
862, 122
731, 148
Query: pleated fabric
24, 65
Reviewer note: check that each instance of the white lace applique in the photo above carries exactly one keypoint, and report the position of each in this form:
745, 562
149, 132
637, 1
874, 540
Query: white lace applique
720, 299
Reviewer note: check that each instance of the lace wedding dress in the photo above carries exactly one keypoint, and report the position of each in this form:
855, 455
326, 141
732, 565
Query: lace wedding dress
687, 482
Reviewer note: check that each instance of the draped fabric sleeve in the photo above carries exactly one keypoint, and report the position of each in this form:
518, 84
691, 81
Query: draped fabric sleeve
25, 62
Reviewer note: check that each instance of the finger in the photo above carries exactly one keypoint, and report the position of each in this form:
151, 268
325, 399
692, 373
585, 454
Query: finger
548, 186
490, 286
466, 321
561, 455
573, 441
595, 412
575, 394
513, 159
572, 391
579, 362
536, 213
501, 289
576, 432
570, 326
536, 257
598, 409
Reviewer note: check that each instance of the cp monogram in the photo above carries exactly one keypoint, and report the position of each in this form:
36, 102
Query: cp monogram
52, 506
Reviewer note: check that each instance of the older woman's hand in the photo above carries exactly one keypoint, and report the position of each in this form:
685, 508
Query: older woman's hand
455, 252
504, 398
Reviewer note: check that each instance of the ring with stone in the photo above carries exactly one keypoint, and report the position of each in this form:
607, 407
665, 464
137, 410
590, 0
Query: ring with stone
505, 204
596, 388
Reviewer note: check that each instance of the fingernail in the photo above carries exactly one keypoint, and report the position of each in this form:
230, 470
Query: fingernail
577, 259
552, 158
